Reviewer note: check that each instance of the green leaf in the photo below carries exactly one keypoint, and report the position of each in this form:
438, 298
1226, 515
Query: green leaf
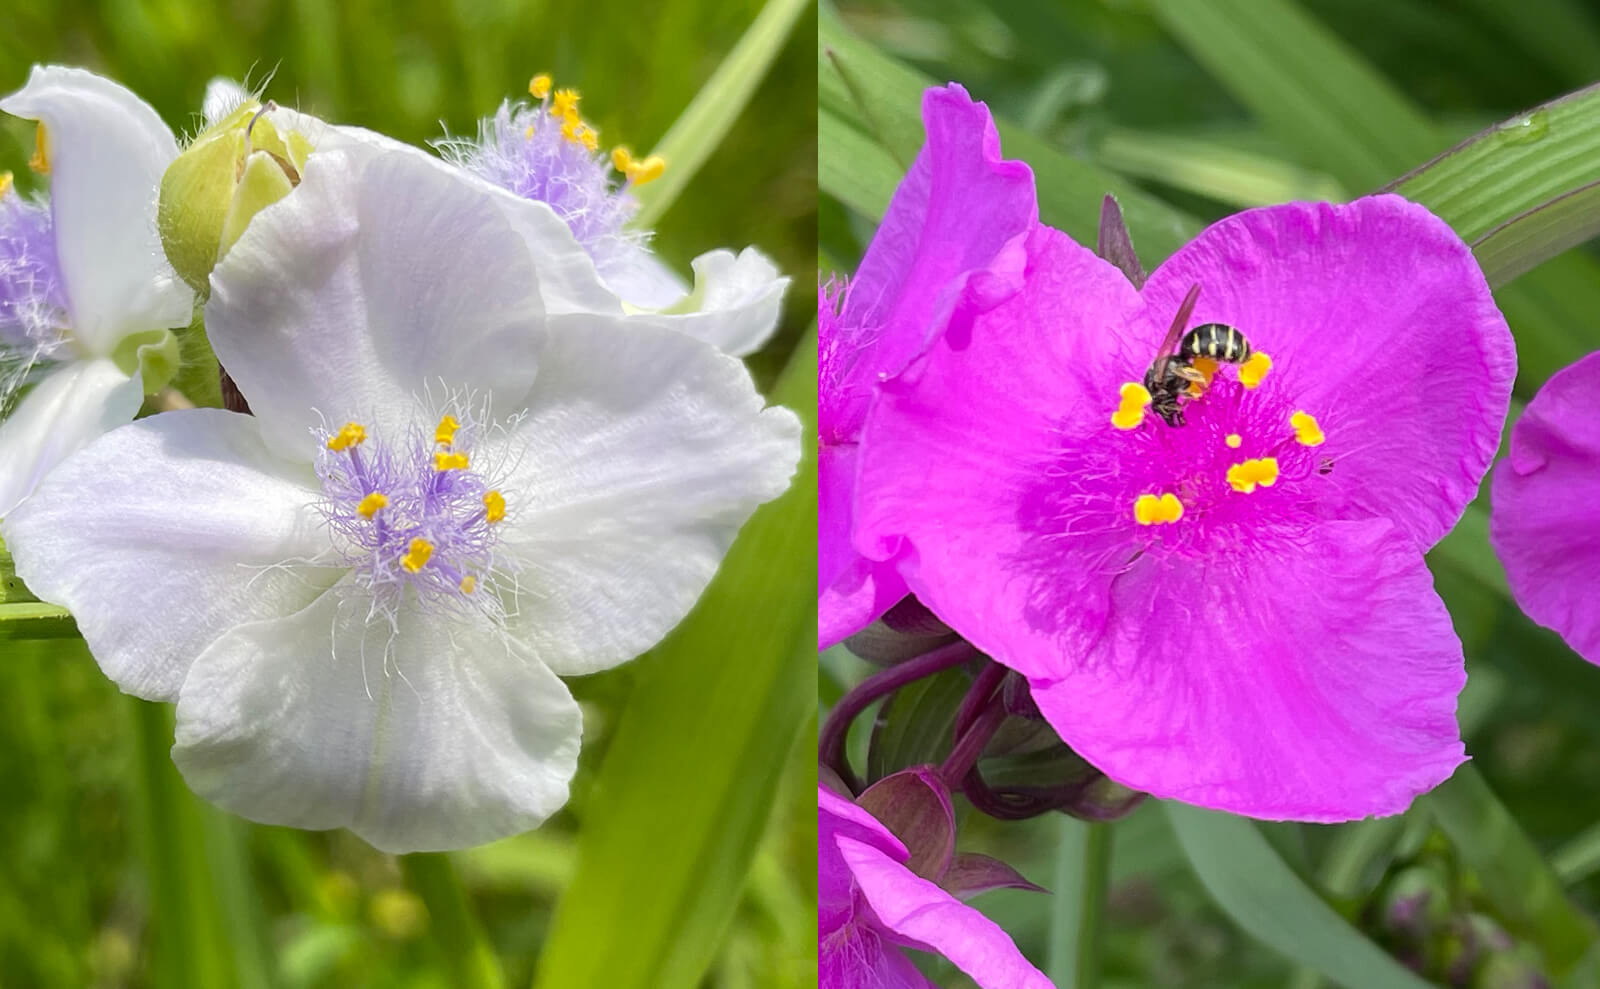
915, 726
883, 99
1522, 887
460, 939
1078, 907
688, 782
32, 620
699, 130
853, 168
1264, 897
1217, 171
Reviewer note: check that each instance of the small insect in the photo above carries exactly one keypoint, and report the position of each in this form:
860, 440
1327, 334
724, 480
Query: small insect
1173, 375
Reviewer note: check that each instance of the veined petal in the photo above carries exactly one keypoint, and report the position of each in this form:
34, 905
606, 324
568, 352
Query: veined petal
435, 734
857, 956
1306, 675
72, 406
107, 152
922, 914
206, 529
733, 306
1544, 495
852, 590
1380, 324
379, 275
641, 454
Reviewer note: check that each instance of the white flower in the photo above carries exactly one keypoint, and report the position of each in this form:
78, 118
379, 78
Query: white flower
361, 597
84, 283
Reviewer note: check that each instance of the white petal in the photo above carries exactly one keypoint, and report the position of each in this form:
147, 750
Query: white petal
734, 305
223, 96
165, 533
458, 737
642, 454
108, 150
644, 280
377, 277
74, 404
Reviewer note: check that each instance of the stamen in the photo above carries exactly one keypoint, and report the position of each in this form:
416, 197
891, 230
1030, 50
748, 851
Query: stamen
1135, 399
371, 504
1254, 370
494, 506
445, 434
539, 86
565, 104
1234, 440
417, 555
621, 158
1244, 477
40, 162
1306, 430
649, 170
449, 461
5, 184
589, 138
468, 584
1151, 510
1206, 367
353, 434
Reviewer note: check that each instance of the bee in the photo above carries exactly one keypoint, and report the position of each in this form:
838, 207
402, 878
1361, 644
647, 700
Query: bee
1173, 375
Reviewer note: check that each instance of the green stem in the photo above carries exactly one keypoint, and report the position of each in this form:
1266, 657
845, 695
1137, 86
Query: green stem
1083, 876
466, 951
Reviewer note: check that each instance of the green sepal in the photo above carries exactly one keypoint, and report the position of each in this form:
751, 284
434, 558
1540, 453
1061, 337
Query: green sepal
153, 354
263, 183
196, 193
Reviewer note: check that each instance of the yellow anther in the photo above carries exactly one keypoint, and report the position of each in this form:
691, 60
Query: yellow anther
569, 129
494, 506
539, 86
445, 434
417, 555
5, 184
621, 158
1135, 399
40, 162
565, 104
469, 584
1151, 510
648, 170
1244, 477
589, 138
1254, 370
528, 133
1234, 440
449, 461
371, 504
1207, 366
1306, 429
351, 435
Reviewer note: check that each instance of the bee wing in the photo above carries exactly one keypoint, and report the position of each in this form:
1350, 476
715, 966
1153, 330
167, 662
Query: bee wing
1180, 322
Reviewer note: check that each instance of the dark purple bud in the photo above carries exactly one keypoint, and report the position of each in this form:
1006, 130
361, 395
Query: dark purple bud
915, 806
1115, 245
905, 631
1417, 903
970, 874
1019, 699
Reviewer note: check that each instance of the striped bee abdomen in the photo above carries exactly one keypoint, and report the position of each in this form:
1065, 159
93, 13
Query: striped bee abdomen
1218, 341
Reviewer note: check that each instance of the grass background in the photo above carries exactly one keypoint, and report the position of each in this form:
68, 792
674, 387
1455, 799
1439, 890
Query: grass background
111, 873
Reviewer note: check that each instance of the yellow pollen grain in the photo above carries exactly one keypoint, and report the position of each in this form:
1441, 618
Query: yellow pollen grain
40, 162
528, 133
449, 461
1130, 412
621, 158
353, 434
445, 434
371, 504
565, 104
1234, 440
469, 584
648, 170
417, 555
1306, 430
1253, 371
1246, 476
589, 138
539, 86
569, 129
5, 184
1148, 509
494, 506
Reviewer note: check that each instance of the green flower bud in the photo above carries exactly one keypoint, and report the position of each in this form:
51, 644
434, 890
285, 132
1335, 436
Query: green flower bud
233, 170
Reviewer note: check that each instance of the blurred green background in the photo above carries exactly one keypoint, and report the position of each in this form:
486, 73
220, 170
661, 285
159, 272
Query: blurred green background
112, 874
1190, 110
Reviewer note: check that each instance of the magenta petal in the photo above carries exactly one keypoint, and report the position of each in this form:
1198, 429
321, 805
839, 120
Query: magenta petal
1381, 325
1311, 676
1544, 493
838, 816
856, 590
923, 914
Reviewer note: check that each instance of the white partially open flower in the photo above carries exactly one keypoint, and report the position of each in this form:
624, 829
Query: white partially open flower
83, 282
361, 597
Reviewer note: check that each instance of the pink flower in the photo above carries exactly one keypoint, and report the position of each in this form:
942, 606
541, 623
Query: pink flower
933, 255
1233, 612
1543, 496
870, 905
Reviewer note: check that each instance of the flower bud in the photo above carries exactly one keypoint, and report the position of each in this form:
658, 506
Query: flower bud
915, 806
1417, 903
233, 170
